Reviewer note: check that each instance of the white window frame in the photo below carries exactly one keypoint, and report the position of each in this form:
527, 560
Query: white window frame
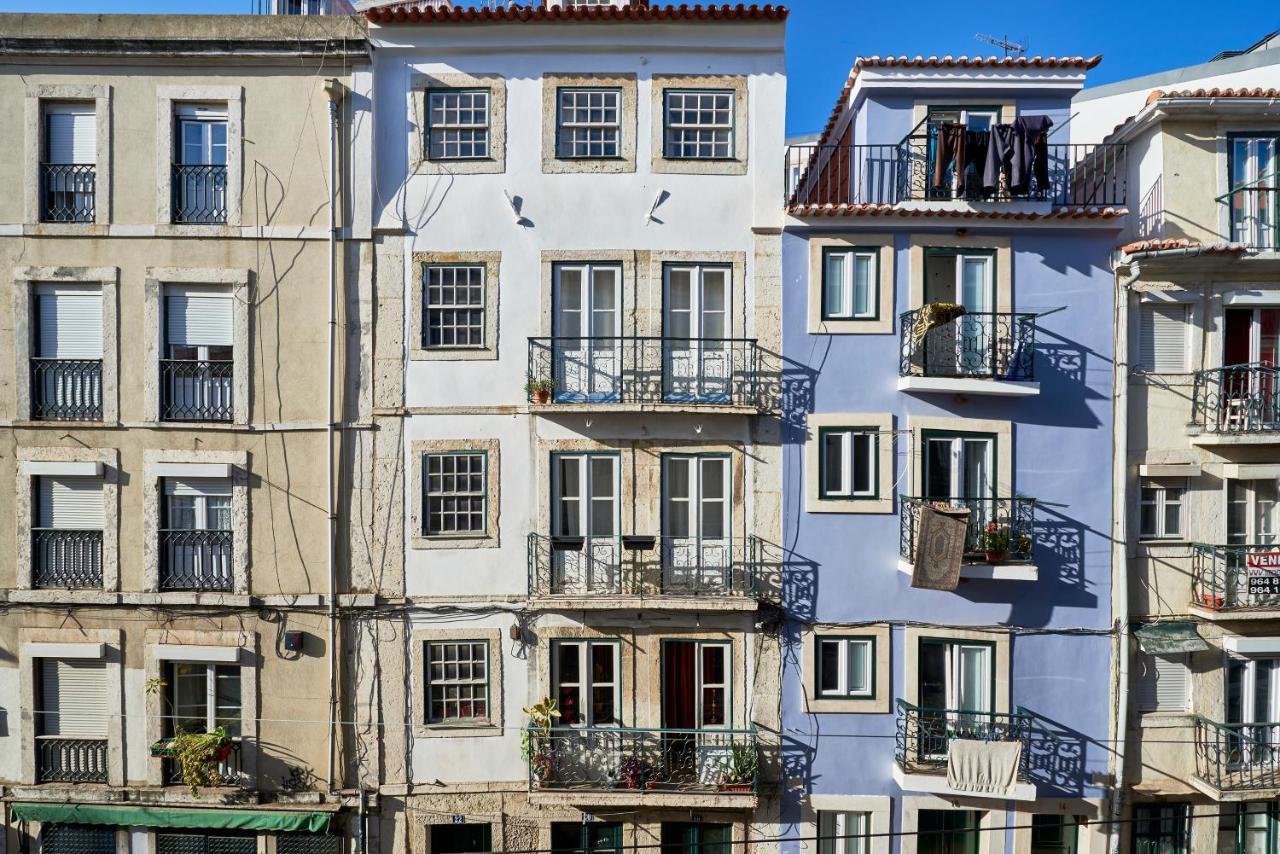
429, 306
673, 133
845, 646
210, 692
1160, 504
485, 681
853, 825
849, 282
451, 132
700, 680
610, 132
586, 686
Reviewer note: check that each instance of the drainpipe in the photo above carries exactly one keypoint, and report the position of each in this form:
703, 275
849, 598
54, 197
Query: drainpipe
333, 89
360, 839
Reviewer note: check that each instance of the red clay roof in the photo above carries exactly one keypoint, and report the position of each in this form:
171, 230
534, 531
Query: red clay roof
1158, 95
1181, 245
641, 11
893, 210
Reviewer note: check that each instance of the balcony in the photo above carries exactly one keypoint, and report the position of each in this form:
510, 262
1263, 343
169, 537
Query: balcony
196, 390
228, 773
66, 559
1255, 217
651, 767
657, 572
923, 743
974, 353
1006, 518
1236, 404
66, 389
649, 373
197, 560
199, 194
67, 192
1237, 759
1235, 581
1079, 175
71, 760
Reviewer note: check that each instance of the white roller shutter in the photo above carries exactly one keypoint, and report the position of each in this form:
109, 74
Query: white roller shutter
1161, 682
1162, 338
73, 503
197, 486
72, 133
70, 321
198, 316
205, 112
73, 697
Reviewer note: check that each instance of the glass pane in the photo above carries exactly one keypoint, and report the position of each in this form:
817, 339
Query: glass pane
859, 667
975, 679
218, 512
975, 291
977, 470
863, 287
182, 512
829, 666
827, 830
835, 290
569, 497
569, 303
833, 463
1237, 503
863, 463
937, 469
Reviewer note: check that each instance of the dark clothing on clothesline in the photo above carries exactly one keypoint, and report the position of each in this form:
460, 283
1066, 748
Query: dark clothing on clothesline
1031, 154
950, 149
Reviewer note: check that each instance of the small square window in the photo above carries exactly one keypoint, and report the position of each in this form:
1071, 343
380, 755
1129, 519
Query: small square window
456, 494
847, 462
457, 681
850, 284
698, 125
588, 123
846, 667
1161, 509
454, 306
457, 124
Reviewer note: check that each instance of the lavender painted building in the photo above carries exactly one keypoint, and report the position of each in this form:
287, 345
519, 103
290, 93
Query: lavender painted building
947, 334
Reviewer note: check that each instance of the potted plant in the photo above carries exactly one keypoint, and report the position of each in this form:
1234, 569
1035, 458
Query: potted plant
1213, 600
540, 389
1024, 546
197, 754
993, 540
535, 741
744, 762
634, 772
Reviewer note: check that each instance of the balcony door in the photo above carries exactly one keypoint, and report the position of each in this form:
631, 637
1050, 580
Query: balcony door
956, 693
195, 545
1253, 707
66, 368
695, 696
960, 468
696, 548
586, 323
197, 372
1250, 348
967, 345
200, 164
1255, 176
697, 355
585, 511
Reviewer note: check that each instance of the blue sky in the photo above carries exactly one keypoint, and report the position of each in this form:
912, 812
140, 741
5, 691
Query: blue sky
823, 36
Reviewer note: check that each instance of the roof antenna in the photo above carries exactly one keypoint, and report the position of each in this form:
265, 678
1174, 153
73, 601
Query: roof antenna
1004, 44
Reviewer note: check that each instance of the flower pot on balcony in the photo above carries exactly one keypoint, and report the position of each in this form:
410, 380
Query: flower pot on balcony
542, 395
735, 787
1212, 600
996, 557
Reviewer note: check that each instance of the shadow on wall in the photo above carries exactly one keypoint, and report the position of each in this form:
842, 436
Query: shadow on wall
1062, 368
1057, 760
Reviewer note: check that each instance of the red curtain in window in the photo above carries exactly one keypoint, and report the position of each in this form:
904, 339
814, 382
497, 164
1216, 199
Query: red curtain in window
679, 685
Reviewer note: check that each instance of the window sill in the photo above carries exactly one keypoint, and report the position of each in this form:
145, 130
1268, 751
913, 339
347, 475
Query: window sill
476, 541
488, 730
453, 354
65, 229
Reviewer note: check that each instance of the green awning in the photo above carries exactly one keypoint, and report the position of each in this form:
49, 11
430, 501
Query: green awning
216, 819
1169, 638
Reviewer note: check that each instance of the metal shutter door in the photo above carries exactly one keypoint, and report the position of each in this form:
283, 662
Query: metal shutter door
1161, 683
70, 322
74, 697
1162, 338
197, 316
70, 502
77, 839
197, 486
72, 131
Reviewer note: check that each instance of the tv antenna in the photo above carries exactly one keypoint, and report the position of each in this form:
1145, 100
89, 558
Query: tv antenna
1004, 44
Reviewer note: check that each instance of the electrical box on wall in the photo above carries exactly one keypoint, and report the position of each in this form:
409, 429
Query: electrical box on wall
293, 641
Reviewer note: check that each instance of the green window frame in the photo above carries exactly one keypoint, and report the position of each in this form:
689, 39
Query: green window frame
586, 837
844, 445
461, 838
840, 665
948, 831
1054, 833
696, 837
994, 462
586, 682
1252, 827
990, 646
456, 680
453, 306
455, 503
844, 304
1161, 828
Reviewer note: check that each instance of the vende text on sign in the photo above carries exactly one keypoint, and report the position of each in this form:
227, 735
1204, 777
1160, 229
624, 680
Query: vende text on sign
1262, 560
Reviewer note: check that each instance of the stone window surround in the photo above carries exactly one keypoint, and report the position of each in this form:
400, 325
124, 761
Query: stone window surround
247, 644
110, 459
114, 657
167, 97
885, 320
880, 701
626, 159
885, 458
153, 291
1001, 245
493, 725
643, 828
1090, 839
24, 280
496, 162
492, 263
1204, 317
36, 95
879, 808
1003, 431
998, 638
239, 460
992, 817
659, 83
491, 538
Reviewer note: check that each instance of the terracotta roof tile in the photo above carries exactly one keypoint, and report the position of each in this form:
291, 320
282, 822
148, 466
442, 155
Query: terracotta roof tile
893, 210
1215, 93
523, 14
1181, 245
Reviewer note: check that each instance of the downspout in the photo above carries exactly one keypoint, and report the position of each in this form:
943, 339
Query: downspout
333, 89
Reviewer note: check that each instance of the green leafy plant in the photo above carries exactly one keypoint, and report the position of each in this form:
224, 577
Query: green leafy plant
197, 754
535, 741
540, 388
994, 538
744, 762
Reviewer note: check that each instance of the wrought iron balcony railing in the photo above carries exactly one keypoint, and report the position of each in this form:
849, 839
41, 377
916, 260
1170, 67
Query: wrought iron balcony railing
71, 760
1084, 175
690, 372
199, 194
1237, 757
666, 566
228, 772
67, 192
196, 390
66, 389
1223, 580
1237, 399
1255, 217
981, 345
672, 760
1009, 521
192, 559
64, 558
924, 735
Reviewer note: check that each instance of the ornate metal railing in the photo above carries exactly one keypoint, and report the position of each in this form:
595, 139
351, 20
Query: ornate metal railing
1237, 399
924, 735
64, 558
195, 390
1085, 175
978, 344
196, 559
67, 192
644, 566
71, 760
1255, 217
674, 760
692, 372
998, 517
228, 771
66, 389
199, 194
1233, 757
1222, 580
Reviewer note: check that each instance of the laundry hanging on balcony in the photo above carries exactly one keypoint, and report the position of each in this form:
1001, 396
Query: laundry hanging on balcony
939, 548
1169, 638
983, 767
1016, 152
930, 316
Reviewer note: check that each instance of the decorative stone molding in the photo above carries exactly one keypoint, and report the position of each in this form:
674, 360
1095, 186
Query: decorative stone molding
166, 99
491, 537
737, 165
491, 725
496, 162
626, 159
885, 457
492, 262
33, 135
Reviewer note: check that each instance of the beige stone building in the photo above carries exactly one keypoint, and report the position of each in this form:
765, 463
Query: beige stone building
165, 378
